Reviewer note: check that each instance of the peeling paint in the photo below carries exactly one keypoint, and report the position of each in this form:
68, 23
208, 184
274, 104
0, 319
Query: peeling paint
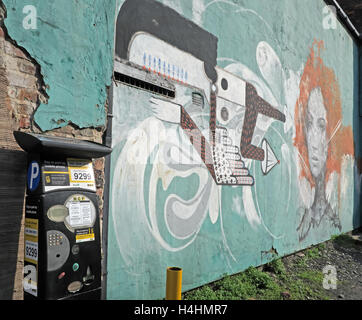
74, 48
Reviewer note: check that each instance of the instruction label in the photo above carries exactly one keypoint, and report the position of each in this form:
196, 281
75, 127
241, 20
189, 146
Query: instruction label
30, 282
55, 175
82, 212
79, 213
72, 173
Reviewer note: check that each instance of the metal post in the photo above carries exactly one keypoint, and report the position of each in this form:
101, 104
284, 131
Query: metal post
173, 283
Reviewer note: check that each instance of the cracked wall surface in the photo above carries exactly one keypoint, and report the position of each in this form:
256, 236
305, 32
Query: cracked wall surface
74, 49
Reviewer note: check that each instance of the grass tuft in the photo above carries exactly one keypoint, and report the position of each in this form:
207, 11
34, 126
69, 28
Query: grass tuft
274, 282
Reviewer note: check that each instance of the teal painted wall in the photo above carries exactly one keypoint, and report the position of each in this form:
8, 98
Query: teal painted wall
152, 203
73, 43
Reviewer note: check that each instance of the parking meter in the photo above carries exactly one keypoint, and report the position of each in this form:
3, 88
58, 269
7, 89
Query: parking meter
62, 250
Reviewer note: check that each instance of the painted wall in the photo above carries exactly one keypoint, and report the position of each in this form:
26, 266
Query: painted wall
73, 44
254, 157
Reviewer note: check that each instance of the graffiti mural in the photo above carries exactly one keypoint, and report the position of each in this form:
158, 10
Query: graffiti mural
322, 142
242, 157
221, 156
221, 114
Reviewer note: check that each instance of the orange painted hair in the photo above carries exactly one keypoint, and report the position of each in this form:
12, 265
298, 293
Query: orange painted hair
315, 75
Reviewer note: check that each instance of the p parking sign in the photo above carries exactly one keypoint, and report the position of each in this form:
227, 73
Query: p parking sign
33, 175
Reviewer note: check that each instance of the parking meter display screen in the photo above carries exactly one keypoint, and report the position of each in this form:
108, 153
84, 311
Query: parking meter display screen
57, 213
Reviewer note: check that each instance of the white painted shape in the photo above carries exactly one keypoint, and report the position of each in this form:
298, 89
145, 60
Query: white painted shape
235, 91
182, 211
182, 151
145, 43
306, 192
270, 159
236, 206
198, 8
271, 68
292, 90
214, 203
182, 95
347, 164
249, 206
331, 190
165, 110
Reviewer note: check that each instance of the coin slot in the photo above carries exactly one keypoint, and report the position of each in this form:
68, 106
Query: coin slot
75, 249
89, 277
82, 212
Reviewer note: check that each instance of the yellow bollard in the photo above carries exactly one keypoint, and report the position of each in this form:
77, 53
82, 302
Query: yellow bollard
173, 283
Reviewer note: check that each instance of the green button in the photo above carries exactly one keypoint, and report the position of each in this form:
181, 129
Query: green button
75, 266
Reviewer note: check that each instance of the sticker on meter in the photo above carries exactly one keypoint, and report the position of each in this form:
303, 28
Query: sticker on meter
30, 280
84, 235
31, 241
82, 212
80, 176
33, 175
81, 173
31, 251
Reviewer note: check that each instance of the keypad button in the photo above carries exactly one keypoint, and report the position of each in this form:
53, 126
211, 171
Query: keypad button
75, 249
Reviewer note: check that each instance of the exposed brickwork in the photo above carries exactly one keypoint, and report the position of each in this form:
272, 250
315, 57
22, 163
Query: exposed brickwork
23, 89
98, 165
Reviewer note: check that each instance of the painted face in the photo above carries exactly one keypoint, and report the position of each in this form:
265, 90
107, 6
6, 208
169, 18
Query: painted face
316, 132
